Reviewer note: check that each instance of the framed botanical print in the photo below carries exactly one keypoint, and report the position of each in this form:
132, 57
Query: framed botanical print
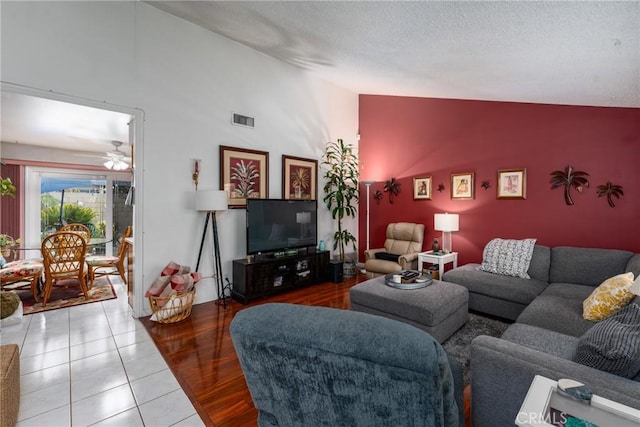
244, 174
462, 186
299, 178
512, 184
422, 188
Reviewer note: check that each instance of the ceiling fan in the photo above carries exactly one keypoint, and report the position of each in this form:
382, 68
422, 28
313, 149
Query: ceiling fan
116, 159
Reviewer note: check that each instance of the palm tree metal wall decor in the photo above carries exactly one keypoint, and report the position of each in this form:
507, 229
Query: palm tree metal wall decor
378, 196
569, 178
610, 190
392, 187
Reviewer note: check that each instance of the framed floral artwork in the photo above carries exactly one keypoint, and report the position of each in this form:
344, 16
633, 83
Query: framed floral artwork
422, 188
512, 184
299, 178
462, 186
244, 174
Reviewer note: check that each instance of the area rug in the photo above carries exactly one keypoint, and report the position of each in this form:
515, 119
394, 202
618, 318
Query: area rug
102, 290
459, 344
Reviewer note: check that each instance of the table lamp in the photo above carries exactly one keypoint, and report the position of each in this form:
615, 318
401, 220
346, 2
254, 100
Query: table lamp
446, 223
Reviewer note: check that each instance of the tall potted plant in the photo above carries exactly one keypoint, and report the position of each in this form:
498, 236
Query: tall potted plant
341, 190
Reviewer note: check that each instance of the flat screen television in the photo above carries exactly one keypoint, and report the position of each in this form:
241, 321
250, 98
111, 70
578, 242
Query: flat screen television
276, 224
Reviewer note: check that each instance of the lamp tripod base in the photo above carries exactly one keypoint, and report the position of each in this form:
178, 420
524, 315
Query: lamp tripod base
217, 265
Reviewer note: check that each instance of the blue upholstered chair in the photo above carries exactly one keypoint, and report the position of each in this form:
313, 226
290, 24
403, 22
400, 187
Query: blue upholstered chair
320, 366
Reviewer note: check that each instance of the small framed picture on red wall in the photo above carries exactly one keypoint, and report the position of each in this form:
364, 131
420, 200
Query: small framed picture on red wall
462, 186
422, 188
512, 184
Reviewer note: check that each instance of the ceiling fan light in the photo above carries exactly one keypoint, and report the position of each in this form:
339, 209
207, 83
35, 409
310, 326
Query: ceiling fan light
120, 165
117, 165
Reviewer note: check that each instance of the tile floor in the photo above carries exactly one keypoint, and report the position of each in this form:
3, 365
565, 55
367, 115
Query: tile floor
95, 365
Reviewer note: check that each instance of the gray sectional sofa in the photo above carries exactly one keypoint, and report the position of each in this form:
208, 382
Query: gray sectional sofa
547, 310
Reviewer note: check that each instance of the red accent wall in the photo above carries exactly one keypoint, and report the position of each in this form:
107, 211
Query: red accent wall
405, 137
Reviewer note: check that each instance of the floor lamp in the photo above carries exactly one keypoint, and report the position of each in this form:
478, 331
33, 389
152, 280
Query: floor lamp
210, 201
368, 184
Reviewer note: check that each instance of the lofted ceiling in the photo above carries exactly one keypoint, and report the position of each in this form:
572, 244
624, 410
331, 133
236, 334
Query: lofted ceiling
551, 52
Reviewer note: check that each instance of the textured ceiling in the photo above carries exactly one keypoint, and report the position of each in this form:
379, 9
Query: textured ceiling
555, 52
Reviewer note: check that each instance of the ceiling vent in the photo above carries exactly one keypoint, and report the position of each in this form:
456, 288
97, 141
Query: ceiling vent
240, 120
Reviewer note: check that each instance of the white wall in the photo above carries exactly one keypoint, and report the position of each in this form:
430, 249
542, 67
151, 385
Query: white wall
188, 82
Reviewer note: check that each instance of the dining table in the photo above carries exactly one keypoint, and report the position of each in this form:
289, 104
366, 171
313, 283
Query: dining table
32, 250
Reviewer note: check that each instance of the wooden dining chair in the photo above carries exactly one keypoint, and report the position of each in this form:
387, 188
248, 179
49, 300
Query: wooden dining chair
114, 264
64, 262
78, 228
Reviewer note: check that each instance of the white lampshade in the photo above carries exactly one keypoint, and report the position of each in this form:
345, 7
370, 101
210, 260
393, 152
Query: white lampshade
446, 222
211, 200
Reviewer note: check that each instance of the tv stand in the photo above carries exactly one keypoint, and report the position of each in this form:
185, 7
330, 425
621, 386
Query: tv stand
266, 276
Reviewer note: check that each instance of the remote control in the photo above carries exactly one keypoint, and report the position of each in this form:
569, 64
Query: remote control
407, 275
575, 390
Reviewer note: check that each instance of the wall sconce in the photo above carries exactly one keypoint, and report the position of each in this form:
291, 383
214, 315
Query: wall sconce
196, 172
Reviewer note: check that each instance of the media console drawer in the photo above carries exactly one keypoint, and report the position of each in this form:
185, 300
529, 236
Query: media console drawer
266, 276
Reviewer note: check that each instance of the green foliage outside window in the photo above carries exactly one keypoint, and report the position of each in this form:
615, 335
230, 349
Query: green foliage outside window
71, 214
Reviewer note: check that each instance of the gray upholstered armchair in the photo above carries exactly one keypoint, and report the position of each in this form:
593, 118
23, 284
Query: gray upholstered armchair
400, 252
320, 366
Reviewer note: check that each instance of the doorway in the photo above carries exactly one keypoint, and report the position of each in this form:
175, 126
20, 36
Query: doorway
116, 183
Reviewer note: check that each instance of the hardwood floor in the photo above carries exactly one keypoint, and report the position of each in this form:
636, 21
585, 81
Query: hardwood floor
200, 353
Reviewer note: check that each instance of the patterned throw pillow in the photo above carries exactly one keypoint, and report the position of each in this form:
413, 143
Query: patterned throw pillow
613, 345
609, 297
508, 257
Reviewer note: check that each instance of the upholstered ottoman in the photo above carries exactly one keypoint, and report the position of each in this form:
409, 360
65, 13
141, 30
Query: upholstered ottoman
9, 385
439, 309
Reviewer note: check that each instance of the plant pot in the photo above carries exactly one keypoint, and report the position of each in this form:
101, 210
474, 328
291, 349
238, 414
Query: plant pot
349, 269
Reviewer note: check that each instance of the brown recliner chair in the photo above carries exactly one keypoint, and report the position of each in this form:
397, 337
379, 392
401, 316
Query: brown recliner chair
400, 252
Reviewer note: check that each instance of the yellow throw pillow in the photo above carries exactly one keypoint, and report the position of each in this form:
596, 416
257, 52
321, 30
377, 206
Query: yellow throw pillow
609, 297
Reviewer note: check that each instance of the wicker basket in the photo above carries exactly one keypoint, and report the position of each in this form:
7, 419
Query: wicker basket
173, 308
